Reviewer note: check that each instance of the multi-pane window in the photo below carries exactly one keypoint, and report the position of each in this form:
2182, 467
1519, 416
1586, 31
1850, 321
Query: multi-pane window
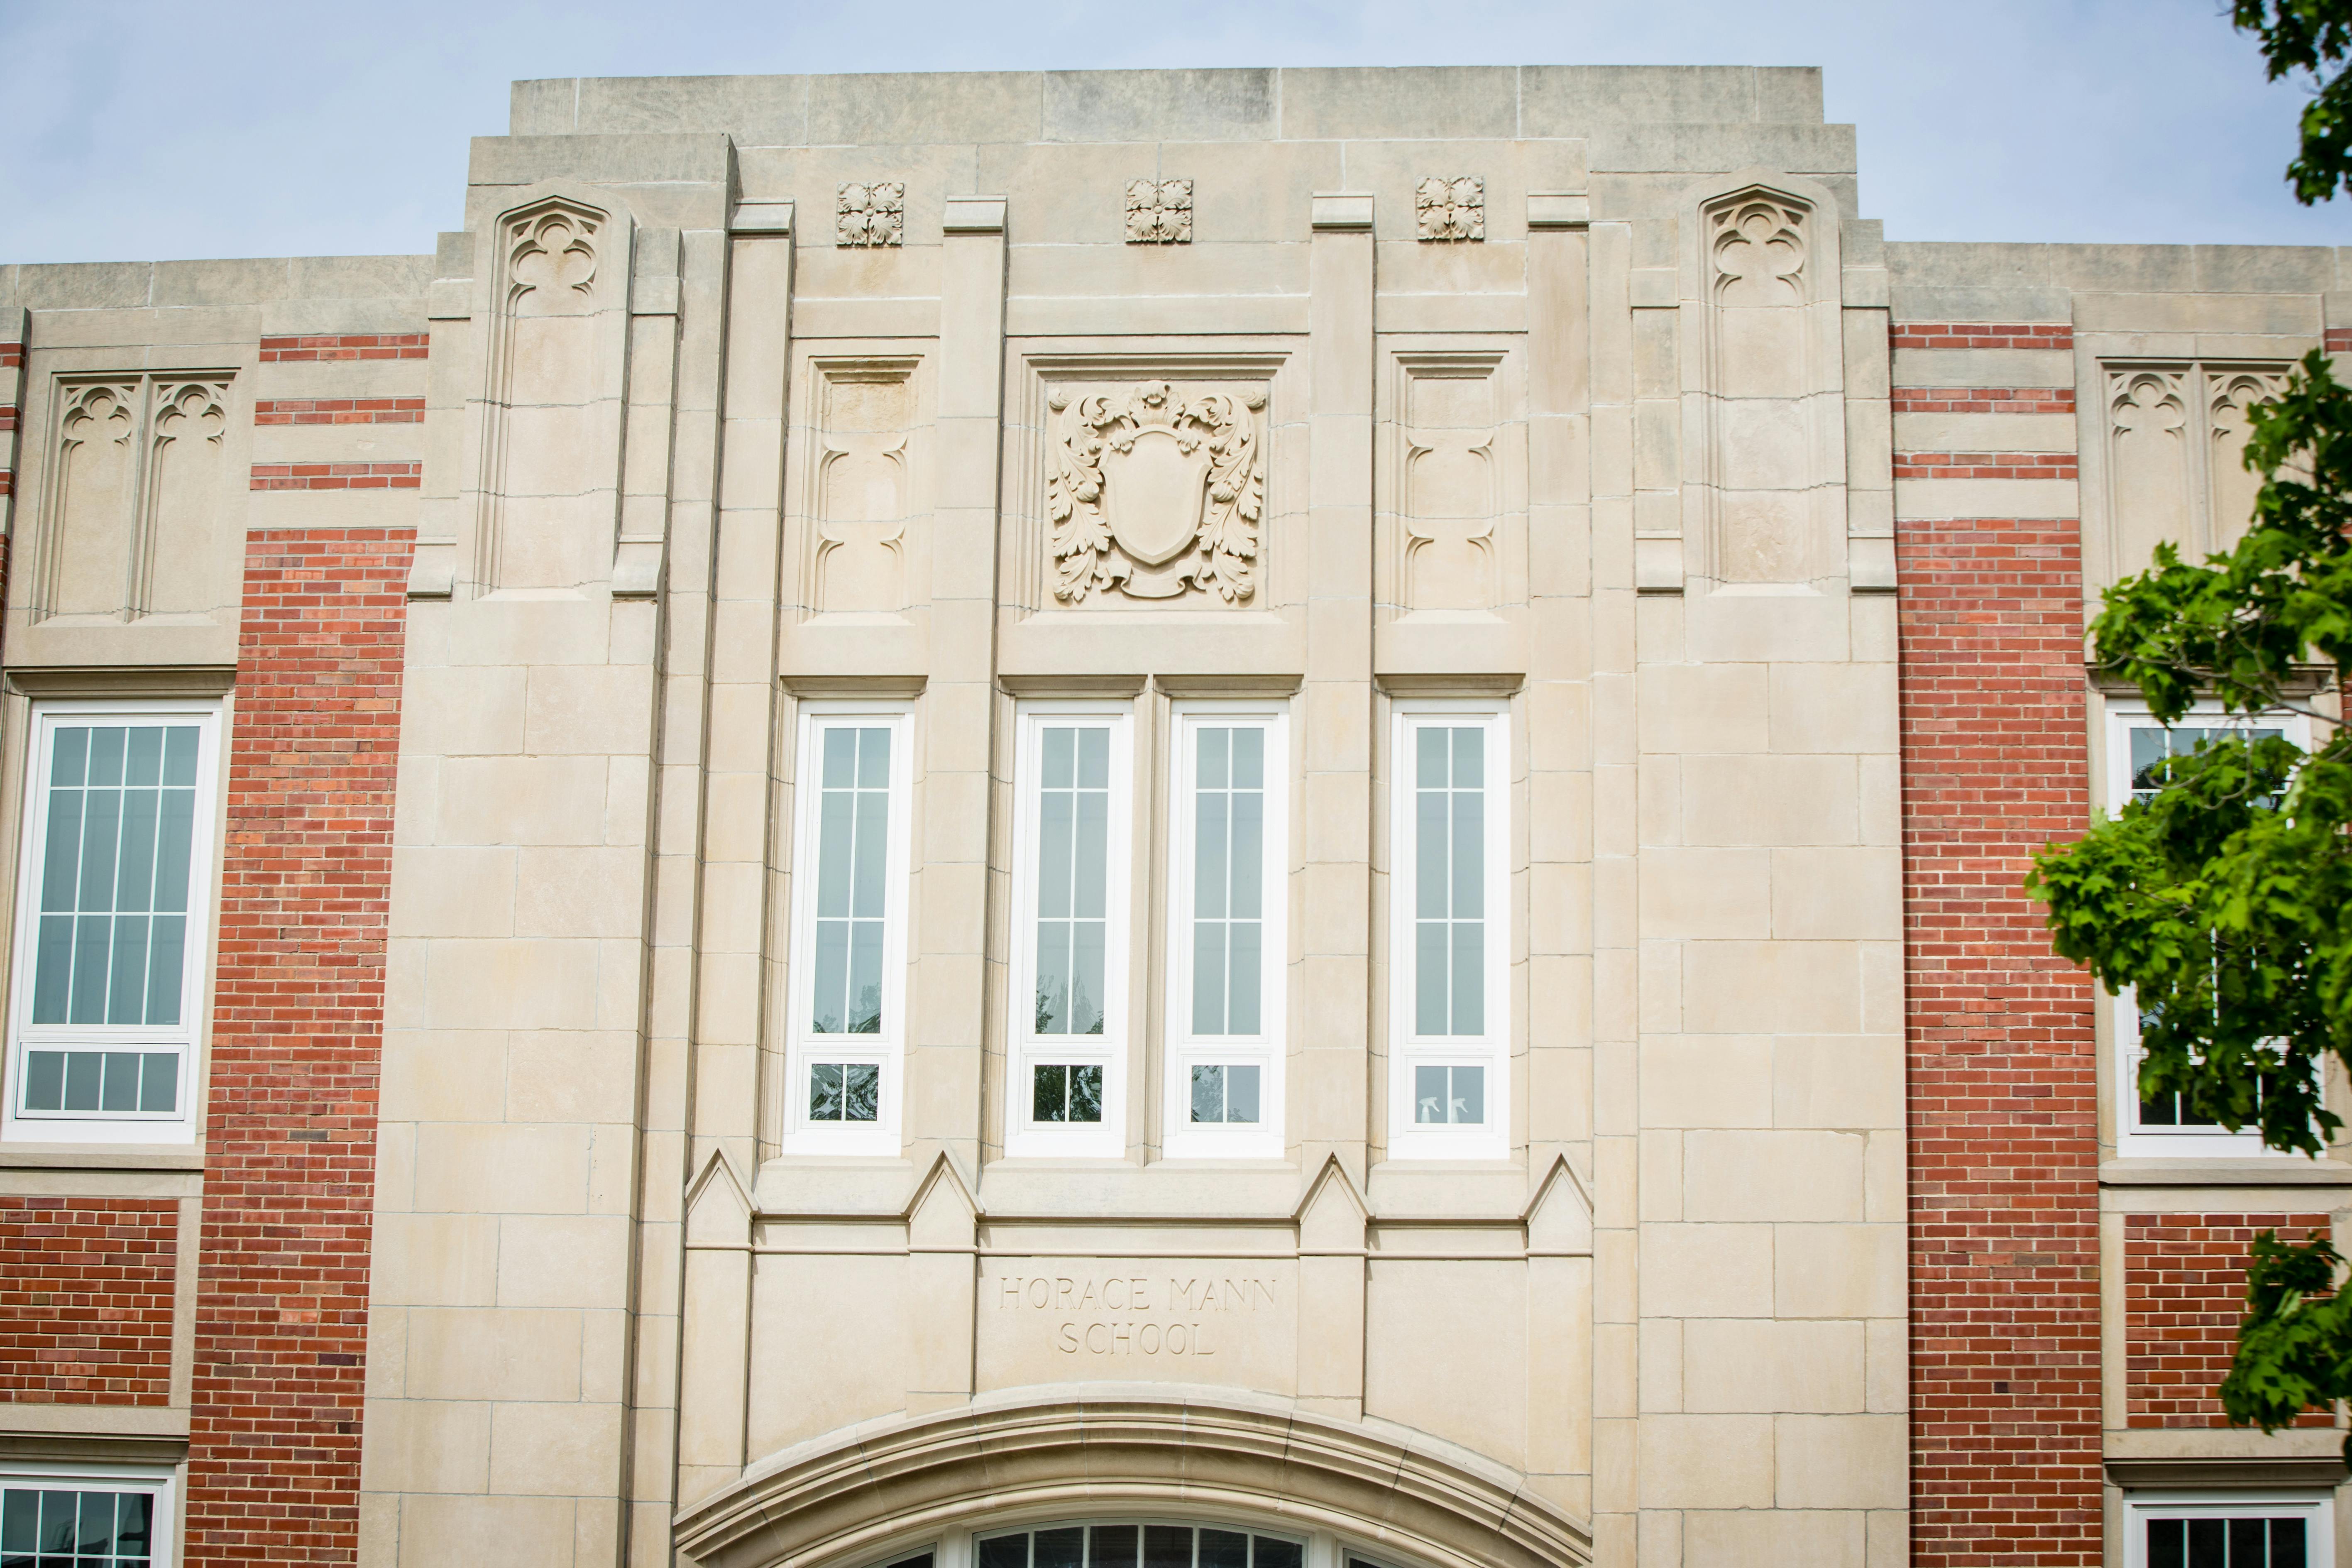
850, 875
64, 1520
1227, 944
2139, 747
1071, 874
2249, 1531
1139, 1545
1449, 957
111, 926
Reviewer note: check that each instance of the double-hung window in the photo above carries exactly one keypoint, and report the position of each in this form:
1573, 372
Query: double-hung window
82, 1516
114, 905
1227, 853
1066, 1090
2227, 1530
2137, 747
1449, 1025
848, 1026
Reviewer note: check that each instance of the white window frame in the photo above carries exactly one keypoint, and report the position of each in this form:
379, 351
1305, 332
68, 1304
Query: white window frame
2318, 1506
163, 1480
1024, 1049
189, 1037
1181, 1138
886, 1049
2123, 716
1407, 1138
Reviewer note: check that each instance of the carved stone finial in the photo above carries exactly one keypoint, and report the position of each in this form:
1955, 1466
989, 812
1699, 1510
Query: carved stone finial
1159, 212
873, 213
1451, 208
1153, 490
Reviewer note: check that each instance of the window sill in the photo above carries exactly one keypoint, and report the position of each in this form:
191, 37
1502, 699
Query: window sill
29, 1156
2223, 1171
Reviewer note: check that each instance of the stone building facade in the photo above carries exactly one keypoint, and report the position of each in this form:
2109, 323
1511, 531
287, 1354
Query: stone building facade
1233, 819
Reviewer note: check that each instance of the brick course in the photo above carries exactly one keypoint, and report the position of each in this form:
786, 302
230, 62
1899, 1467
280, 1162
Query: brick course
1983, 399
338, 476
1980, 335
2184, 1290
344, 345
1984, 465
339, 411
85, 1289
2004, 1096
281, 1334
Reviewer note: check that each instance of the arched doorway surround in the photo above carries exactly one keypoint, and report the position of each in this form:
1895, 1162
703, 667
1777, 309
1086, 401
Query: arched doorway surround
854, 1497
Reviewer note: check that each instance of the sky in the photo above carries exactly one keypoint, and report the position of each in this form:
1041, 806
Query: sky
141, 130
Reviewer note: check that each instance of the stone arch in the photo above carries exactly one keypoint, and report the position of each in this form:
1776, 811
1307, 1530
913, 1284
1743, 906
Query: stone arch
854, 1497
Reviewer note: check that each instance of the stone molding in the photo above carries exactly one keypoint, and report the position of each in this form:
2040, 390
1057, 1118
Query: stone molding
1135, 1447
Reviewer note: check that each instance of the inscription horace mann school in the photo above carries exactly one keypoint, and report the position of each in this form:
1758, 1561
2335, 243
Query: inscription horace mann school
1133, 1314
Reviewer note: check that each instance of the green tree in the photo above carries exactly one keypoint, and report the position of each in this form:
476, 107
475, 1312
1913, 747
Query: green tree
2225, 898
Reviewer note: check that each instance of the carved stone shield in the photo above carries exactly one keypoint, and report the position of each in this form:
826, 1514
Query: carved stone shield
1151, 494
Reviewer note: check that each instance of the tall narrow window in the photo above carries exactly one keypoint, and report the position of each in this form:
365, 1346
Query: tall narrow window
1071, 849
1448, 1024
849, 951
2241, 1529
2167, 1124
1227, 856
111, 911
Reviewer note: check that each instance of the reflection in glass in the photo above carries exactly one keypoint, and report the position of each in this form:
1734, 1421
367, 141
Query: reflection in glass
845, 1091
1225, 1093
1060, 1092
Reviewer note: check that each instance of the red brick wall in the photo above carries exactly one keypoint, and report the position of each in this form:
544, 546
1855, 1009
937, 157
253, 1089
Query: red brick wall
337, 476
2004, 1096
86, 1300
344, 345
2184, 1291
281, 1315
339, 411
1976, 335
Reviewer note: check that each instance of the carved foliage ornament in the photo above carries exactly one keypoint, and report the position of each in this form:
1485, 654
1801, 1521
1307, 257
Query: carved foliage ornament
870, 215
1159, 212
1758, 245
1152, 491
1450, 209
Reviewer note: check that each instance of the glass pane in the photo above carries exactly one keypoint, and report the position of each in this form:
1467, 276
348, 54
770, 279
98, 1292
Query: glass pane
1469, 900
1469, 977
834, 829
1430, 882
175, 832
134, 873
126, 993
2147, 749
1053, 1002
1208, 977
1241, 1094
1248, 878
1088, 988
1223, 1549
840, 758
1060, 1548
873, 851
69, 757
2164, 1110
1056, 828
874, 759
1208, 1094
1249, 758
1468, 1103
143, 764
44, 1080
120, 1090
85, 1072
1429, 1094
1429, 1011
1114, 1545
1005, 1552
1429, 759
1245, 937
1470, 759
167, 954
1094, 759
1090, 888
53, 968
101, 827
1166, 1546
866, 977
180, 756
1086, 1094
2247, 1539
2287, 1549
20, 1514
861, 1092
1273, 1553
1050, 1094
1216, 746
831, 981
106, 757
60, 1516
2205, 1544
1060, 770
93, 935
1211, 853
97, 1532
159, 1083
824, 1092
62, 852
